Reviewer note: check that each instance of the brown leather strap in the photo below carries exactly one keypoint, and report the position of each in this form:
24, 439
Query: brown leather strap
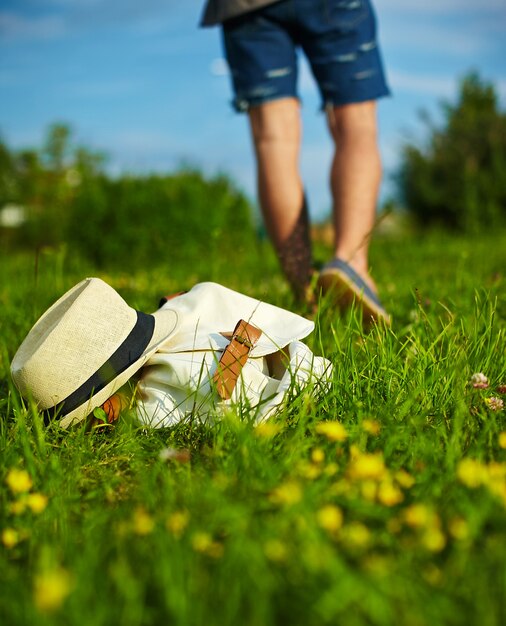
234, 358
165, 299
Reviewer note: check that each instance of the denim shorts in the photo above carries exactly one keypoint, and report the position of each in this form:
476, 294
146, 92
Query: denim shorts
338, 37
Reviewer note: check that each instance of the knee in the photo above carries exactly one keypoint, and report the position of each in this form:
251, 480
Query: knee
354, 122
277, 121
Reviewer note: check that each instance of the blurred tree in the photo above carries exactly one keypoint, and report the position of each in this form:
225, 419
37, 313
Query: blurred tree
159, 220
87, 164
45, 182
46, 192
56, 149
457, 180
8, 180
125, 221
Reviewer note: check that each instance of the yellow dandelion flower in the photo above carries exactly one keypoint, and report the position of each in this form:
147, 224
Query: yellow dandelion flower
177, 522
267, 429
143, 523
418, 515
369, 490
458, 528
372, 427
275, 550
318, 455
502, 439
356, 534
404, 479
389, 494
331, 469
367, 466
496, 471
330, 518
203, 542
434, 539
19, 481
37, 502
18, 506
471, 473
334, 431
354, 451
287, 493
309, 471
10, 537
51, 588
497, 486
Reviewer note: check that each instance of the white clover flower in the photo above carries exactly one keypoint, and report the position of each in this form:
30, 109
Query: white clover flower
479, 381
495, 404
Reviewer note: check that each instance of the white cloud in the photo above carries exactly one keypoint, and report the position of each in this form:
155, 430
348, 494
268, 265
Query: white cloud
439, 86
429, 38
219, 67
463, 28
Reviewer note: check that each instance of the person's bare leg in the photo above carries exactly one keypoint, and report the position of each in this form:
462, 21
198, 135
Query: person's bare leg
355, 180
276, 133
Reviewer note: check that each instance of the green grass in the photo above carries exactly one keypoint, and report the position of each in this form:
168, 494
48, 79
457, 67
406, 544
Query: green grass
281, 525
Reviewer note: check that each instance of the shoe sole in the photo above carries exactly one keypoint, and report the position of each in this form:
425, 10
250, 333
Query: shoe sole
344, 292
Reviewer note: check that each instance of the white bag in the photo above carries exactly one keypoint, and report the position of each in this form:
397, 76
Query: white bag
177, 381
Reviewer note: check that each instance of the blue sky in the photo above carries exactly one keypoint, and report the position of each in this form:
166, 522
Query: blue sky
141, 81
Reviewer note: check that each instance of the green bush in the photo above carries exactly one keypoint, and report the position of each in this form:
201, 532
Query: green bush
176, 218
457, 180
68, 199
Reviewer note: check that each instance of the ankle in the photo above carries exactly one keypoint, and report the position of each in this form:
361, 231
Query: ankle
360, 264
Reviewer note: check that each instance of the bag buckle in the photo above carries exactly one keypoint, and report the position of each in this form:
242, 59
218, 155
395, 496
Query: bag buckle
244, 340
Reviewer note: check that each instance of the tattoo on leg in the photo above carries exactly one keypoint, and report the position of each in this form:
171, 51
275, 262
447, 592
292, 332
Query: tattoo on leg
296, 257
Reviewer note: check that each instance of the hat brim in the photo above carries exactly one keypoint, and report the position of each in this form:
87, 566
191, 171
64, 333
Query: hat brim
166, 322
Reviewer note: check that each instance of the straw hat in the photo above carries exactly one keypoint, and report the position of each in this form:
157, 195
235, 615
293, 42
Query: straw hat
84, 348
